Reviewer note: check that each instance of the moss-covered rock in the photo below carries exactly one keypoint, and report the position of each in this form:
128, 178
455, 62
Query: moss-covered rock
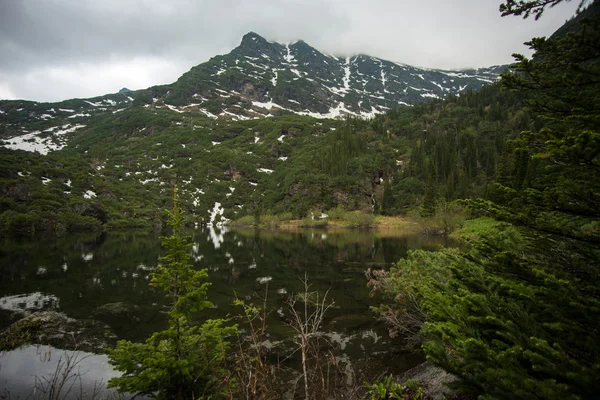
58, 330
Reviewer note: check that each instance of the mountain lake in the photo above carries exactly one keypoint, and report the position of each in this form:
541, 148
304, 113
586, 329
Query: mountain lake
105, 277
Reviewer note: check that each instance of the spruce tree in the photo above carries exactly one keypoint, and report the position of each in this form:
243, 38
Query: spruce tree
518, 316
185, 360
431, 194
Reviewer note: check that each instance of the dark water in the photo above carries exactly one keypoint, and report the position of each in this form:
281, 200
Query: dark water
79, 274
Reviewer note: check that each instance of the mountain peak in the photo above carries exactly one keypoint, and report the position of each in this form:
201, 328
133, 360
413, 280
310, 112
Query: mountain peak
253, 39
255, 45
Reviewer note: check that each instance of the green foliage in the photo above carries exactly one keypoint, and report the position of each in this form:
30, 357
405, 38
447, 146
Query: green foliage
342, 145
186, 359
127, 223
354, 219
476, 228
310, 222
511, 324
388, 389
444, 218
18, 223
77, 222
527, 8
556, 165
246, 220
406, 286
505, 317
385, 389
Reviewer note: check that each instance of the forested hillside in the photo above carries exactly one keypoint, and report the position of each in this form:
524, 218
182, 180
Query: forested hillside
118, 172
516, 316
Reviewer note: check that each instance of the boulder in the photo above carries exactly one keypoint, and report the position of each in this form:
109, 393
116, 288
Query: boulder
433, 381
58, 330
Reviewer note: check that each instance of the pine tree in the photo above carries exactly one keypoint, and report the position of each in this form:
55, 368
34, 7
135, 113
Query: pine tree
431, 194
387, 203
185, 360
563, 87
518, 315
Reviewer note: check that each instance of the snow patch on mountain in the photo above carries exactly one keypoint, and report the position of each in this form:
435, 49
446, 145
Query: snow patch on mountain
41, 142
347, 74
289, 58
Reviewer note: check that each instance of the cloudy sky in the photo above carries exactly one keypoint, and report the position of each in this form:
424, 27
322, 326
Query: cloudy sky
58, 49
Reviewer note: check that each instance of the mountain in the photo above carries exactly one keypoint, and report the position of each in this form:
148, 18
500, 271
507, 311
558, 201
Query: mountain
112, 159
260, 78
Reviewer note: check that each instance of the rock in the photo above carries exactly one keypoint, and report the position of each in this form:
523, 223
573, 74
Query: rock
118, 309
432, 379
58, 330
340, 196
18, 191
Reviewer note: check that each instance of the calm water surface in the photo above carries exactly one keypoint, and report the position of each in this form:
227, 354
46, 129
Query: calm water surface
79, 274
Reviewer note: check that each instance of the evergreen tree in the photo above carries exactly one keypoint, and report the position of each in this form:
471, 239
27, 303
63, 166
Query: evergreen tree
431, 194
185, 360
518, 316
387, 203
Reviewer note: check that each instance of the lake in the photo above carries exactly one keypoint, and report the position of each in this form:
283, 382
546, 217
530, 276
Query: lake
80, 274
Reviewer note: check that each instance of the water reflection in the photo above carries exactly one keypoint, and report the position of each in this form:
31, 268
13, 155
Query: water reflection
37, 371
82, 274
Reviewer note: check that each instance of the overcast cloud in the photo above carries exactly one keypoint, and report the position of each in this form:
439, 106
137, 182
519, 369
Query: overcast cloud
58, 49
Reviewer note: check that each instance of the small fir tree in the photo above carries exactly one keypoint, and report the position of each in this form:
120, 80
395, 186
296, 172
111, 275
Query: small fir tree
185, 360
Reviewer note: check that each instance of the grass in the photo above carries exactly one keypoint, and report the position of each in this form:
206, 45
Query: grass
396, 221
475, 228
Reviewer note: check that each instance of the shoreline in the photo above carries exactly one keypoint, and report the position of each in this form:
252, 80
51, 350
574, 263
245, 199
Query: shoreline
379, 223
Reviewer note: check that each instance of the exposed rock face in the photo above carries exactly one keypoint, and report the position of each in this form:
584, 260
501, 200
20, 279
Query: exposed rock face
58, 330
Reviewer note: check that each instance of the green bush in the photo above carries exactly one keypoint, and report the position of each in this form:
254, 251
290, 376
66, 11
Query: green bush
246, 220
76, 222
126, 223
270, 221
308, 222
18, 223
355, 219
286, 216
385, 389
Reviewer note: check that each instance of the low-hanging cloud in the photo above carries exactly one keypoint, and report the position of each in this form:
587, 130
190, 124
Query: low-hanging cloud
57, 49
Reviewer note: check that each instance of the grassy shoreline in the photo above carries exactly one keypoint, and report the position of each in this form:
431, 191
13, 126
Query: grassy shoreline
378, 222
